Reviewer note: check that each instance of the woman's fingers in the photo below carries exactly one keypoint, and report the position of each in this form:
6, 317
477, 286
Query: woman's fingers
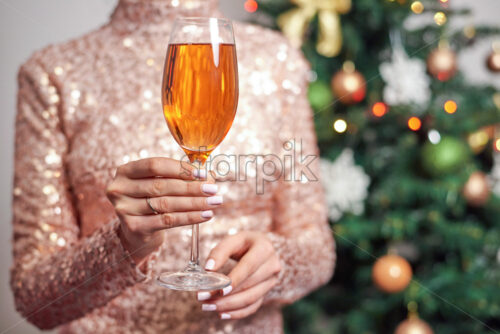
156, 187
151, 195
269, 269
257, 263
233, 246
247, 265
145, 225
241, 299
243, 312
164, 167
166, 204
248, 248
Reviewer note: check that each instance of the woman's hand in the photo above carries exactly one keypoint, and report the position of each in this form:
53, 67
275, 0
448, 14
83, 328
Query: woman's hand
175, 196
253, 276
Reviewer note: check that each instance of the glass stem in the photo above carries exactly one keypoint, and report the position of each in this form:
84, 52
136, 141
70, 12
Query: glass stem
194, 262
195, 253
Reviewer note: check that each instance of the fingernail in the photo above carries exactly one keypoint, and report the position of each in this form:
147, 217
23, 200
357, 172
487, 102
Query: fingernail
208, 307
209, 188
203, 295
214, 200
225, 316
200, 173
227, 290
210, 265
207, 214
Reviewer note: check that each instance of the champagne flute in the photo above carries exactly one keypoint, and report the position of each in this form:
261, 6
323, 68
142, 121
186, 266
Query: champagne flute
199, 97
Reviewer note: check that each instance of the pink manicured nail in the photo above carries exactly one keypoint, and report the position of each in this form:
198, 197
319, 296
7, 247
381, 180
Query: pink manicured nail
200, 173
215, 200
207, 214
208, 307
209, 188
225, 316
203, 295
227, 290
210, 264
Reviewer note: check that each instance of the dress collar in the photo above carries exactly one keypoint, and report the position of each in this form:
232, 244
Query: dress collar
139, 15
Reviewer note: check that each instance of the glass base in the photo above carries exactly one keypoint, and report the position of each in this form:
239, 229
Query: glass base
193, 278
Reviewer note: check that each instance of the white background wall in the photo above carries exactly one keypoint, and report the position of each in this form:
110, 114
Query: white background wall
26, 26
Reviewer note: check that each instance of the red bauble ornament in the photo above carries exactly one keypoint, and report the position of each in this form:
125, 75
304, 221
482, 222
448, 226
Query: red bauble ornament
442, 63
349, 85
391, 273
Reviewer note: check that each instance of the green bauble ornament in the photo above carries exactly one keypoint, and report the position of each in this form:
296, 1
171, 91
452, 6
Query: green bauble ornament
444, 157
319, 95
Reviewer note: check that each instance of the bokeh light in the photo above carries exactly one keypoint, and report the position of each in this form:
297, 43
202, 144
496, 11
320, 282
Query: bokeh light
496, 145
440, 18
434, 136
478, 140
340, 125
251, 6
417, 7
414, 123
379, 109
450, 106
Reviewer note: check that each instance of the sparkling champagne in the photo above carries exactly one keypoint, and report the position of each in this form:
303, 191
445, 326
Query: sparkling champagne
200, 95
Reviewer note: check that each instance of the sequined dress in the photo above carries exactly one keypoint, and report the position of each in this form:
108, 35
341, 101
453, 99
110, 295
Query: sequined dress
92, 104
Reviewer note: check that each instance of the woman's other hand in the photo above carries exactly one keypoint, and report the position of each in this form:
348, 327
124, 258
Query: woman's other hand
253, 276
151, 195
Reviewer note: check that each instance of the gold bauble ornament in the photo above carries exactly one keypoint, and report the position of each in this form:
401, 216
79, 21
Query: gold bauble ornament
349, 85
391, 273
413, 325
476, 190
442, 63
294, 23
493, 61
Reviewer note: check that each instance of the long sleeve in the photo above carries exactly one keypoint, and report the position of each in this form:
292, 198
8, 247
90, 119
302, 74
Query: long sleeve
57, 276
301, 233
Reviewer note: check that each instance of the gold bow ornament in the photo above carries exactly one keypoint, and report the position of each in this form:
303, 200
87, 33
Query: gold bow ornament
294, 23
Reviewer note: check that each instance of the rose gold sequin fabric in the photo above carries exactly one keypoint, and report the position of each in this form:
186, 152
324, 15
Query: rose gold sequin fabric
92, 104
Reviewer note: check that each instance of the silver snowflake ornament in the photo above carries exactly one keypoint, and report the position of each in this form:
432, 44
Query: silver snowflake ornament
406, 81
345, 184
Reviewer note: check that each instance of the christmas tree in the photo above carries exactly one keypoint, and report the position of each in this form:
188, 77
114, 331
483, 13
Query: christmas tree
410, 164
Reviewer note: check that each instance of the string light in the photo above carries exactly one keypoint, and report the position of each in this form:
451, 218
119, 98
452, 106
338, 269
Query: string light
340, 125
414, 123
434, 136
450, 106
417, 7
251, 6
440, 18
379, 109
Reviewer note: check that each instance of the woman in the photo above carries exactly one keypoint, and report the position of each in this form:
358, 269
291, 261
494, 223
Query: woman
88, 185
